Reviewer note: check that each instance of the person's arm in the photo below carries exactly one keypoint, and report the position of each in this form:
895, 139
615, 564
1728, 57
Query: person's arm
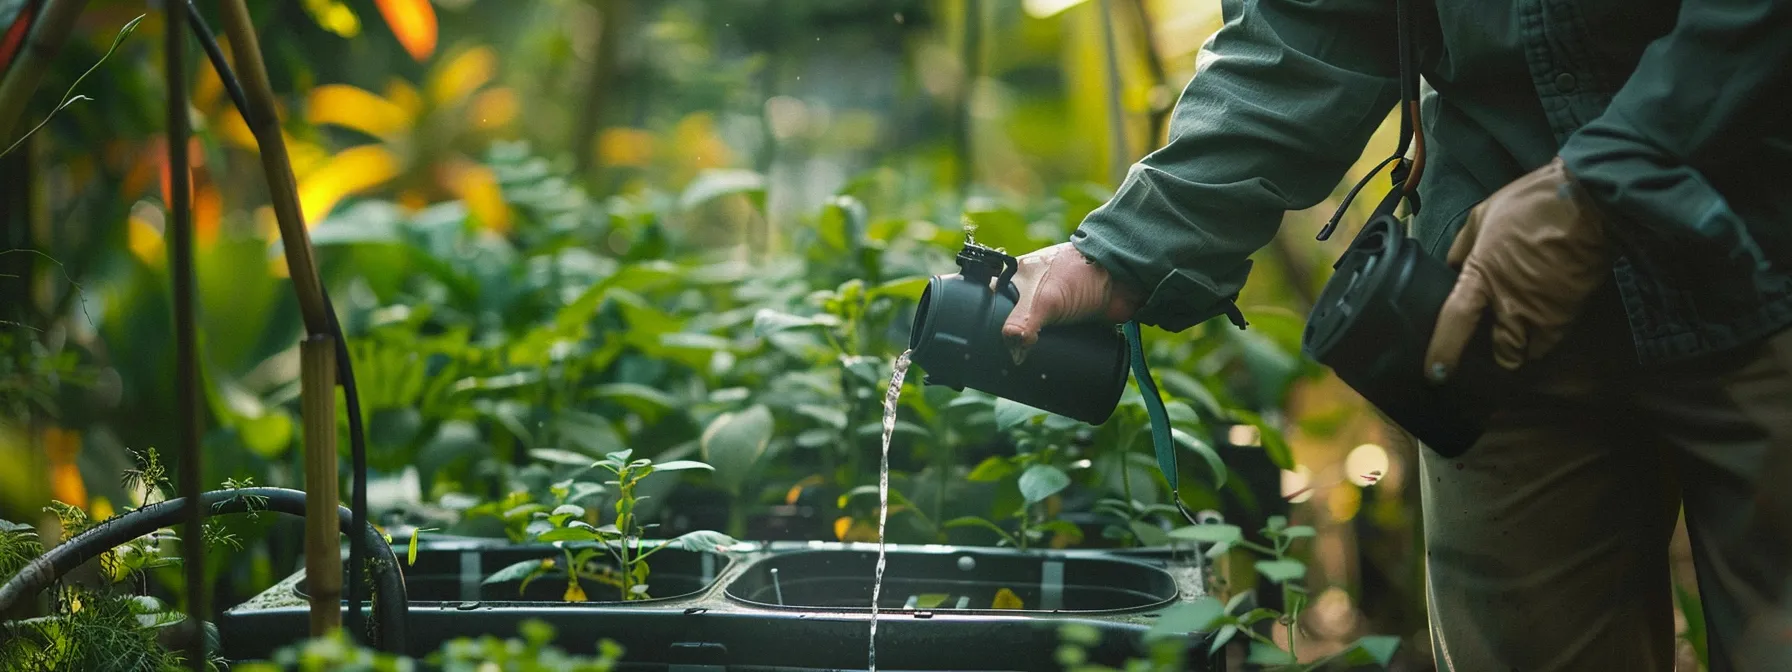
1703, 91
1285, 98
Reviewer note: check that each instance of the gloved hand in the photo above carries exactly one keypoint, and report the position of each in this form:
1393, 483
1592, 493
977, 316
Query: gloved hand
1533, 251
1058, 285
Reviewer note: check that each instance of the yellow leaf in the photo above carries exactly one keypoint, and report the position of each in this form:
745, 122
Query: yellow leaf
305, 158
355, 108
1006, 599
462, 75
335, 17
234, 130
574, 592
405, 96
101, 509
145, 240
350, 172
842, 525
66, 484
413, 22
493, 109
624, 147
477, 186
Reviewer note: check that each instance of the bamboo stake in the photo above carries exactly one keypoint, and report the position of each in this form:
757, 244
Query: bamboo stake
186, 338
47, 37
317, 354
301, 265
323, 546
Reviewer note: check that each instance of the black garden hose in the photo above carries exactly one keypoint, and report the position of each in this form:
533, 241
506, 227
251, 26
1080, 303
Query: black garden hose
345, 372
390, 602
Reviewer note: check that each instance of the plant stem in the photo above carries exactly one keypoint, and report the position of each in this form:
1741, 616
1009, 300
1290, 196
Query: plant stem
22, 79
186, 338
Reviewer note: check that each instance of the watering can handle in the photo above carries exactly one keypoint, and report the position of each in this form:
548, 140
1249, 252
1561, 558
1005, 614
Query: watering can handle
1161, 440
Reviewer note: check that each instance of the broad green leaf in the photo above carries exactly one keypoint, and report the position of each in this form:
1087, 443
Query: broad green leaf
1185, 618
681, 465
515, 572
642, 400
1012, 414
1211, 534
1281, 571
569, 510
1264, 654
716, 183
704, 541
902, 288
569, 534
1215, 465
1298, 532
734, 442
268, 435
1221, 638
1041, 481
768, 321
563, 457
1377, 651
828, 416
991, 469
1148, 534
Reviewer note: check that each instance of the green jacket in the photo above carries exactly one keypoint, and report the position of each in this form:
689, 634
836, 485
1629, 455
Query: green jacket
1677, 116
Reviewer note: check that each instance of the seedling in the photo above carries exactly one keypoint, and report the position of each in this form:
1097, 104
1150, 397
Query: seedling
580, 542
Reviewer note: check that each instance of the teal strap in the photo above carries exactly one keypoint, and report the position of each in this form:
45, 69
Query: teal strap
1161, 441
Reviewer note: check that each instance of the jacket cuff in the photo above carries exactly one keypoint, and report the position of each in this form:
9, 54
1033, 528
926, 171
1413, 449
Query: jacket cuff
1184, 300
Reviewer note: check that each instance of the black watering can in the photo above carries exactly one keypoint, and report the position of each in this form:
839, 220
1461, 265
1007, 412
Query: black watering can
1371, 326
1077, 371
1373, 323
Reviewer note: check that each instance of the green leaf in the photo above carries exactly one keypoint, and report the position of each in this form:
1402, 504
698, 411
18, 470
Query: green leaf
568, 510
902, 288
1298, 532
1012, 414
768, 321
1281, 571
268, 435
1264, 654
681, 465
703, 541
734, 442
1237, 601
1211, 534
1041, 481
1215, 465
1375, 650
1221, 638
70, 97
1185, 618
974, 521
716, 183
992, 469
569, 534
514, 572
563, 457
1064, 527
642, 400
411, 555
1148, 534
828, 416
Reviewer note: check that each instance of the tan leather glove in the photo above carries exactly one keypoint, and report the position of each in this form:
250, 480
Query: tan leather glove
1059, 285
1533, 252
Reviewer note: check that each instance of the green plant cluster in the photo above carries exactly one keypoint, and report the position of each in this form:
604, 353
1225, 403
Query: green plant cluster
533, 652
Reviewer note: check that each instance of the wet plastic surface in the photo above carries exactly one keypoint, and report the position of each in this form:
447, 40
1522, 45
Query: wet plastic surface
713, 631
965, 580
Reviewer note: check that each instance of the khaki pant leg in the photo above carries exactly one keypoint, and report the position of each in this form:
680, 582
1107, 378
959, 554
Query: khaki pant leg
1547, 541
1730, 423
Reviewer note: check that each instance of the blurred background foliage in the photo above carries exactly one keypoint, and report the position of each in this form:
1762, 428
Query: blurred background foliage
690, 228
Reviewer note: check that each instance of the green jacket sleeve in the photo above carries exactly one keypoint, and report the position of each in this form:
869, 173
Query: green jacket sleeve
1285, 97
1699, 94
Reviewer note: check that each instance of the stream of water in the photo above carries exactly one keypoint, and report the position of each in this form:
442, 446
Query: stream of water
897, 372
